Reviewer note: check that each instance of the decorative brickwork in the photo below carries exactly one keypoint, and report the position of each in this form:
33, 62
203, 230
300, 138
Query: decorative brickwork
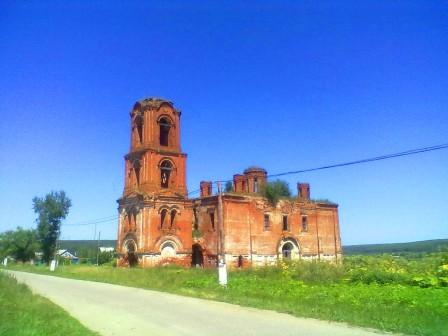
159, 224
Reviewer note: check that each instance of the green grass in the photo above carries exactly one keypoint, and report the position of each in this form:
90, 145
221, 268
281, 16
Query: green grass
392, 294
25, 314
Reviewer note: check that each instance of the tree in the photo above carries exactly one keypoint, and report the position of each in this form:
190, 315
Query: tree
51, 210
228, 187
275, 190
20, 244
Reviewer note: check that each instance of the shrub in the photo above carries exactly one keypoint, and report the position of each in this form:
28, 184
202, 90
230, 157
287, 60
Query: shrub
105, 257
275, 190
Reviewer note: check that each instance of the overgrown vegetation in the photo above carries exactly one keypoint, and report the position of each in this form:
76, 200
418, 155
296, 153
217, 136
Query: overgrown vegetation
404, 294
275, 190
25, 314
228, 187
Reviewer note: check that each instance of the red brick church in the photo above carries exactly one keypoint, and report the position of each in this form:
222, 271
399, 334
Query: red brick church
160, 224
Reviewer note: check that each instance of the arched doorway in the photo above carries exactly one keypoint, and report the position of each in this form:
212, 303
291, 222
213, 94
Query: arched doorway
168, 250
286, 250
197, 257
131, 255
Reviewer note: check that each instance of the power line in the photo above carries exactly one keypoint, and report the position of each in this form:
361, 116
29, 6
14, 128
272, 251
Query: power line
376, 158
194, 191
94, 221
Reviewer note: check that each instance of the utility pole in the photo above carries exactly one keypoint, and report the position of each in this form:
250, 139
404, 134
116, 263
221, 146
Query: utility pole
98, 248
317, 236
222, 267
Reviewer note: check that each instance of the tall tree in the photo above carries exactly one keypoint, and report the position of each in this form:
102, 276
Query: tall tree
51, 210
20, 244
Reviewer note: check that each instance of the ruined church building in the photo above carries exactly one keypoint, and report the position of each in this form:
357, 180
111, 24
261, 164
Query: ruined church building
160, 224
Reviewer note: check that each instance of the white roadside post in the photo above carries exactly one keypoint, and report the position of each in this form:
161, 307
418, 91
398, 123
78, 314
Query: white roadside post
52, 265
222, 267
5, 262
222, 273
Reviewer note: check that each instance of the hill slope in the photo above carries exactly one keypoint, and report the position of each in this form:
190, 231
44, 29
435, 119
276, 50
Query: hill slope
411, 247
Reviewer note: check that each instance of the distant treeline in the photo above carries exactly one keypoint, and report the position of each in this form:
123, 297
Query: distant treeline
423, 246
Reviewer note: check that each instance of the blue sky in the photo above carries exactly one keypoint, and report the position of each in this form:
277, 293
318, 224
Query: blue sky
283, 85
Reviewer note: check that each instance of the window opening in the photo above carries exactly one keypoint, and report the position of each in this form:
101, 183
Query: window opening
255, 185
212, 219
162, 217
137, 168
139, 125
285, 223
173, 217
304, 223
195, 214
165, 172
165, 127
266, 222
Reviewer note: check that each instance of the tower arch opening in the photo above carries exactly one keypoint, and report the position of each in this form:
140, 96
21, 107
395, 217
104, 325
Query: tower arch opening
166, 168
138, 122
164, 131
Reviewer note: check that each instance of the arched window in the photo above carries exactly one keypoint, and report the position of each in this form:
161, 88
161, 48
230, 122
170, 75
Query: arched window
137, 167
162, 217
165, 127
139, 126
165, 171
173, 217
255, 184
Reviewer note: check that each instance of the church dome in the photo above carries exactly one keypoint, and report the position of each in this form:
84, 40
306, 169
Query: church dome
255, 169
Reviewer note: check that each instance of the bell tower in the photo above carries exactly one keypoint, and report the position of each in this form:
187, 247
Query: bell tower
155, 163
154, 208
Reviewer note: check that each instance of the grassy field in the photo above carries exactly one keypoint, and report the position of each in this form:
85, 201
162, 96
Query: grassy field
25, 314
408, 295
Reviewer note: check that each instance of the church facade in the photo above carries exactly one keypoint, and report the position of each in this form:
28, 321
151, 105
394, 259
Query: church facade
159, 224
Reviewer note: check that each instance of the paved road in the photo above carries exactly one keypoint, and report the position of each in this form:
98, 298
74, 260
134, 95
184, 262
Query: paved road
117, 310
